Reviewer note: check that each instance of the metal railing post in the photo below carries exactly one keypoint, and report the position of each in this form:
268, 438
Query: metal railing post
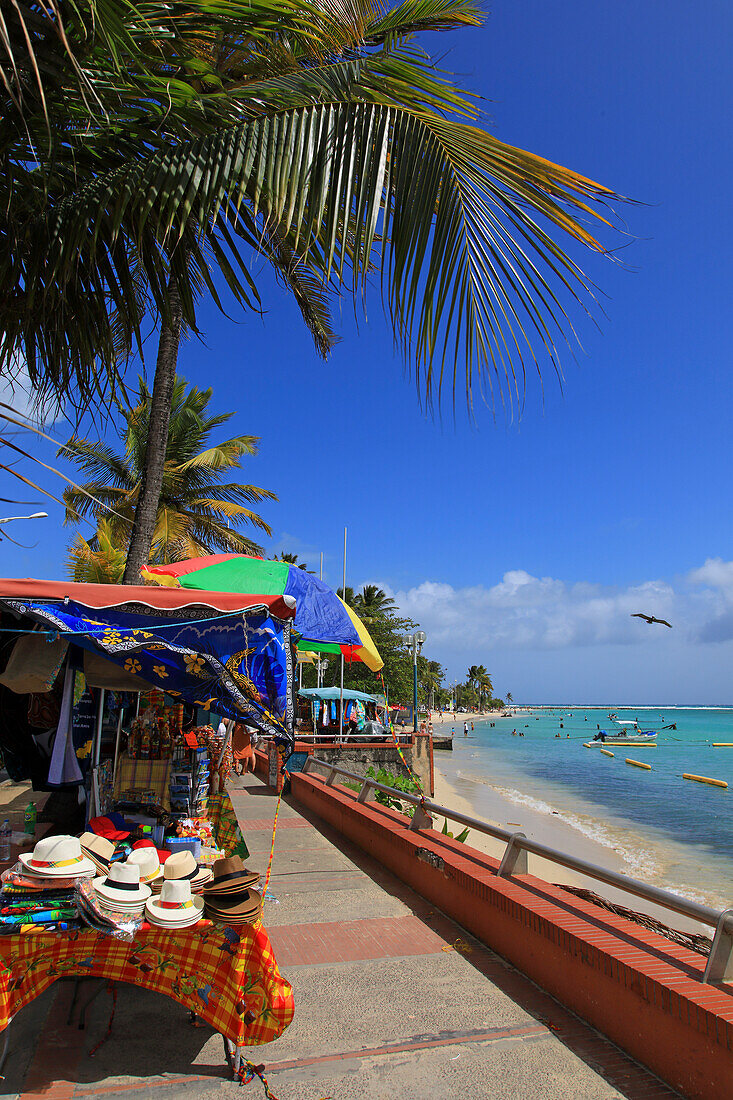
364, 792
720, 961
514, 861
420, 820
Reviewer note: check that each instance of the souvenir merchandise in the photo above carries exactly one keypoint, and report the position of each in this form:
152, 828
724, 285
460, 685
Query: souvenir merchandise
105, 917
238, 908
57, 857
98, 849
175, 906
162, 853
147, 860
230, 897
182, 866
121, 890
35, 899
230, 877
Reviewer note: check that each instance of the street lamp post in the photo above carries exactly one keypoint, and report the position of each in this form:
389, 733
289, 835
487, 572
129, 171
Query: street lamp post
414, 643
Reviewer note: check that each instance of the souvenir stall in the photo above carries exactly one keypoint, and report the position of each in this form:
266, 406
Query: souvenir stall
154, 890
364, 715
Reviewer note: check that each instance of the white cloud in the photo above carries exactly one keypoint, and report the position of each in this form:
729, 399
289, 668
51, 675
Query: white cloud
524, 612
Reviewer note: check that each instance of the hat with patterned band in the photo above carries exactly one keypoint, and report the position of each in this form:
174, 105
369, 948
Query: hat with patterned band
98, 849
147, 860
230, 877
175, 906
57, 857
123, 885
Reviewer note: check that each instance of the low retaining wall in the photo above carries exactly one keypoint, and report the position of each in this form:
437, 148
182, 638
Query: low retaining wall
359, 757
641, 990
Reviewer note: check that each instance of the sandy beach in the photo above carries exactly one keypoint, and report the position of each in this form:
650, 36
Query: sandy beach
550, 829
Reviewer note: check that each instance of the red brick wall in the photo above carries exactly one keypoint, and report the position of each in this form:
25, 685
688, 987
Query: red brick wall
639, 989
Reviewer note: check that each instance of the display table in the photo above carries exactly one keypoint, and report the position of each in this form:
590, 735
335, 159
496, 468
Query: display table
227, 976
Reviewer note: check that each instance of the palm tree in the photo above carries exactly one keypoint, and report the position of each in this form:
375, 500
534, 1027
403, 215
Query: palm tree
431, 676
195, 508
348, 596
484, 683
316, 136
373, 603
99, 560
509, 698
291, 559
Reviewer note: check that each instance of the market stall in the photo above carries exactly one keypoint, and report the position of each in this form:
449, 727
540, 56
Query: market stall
364, 715
127, 681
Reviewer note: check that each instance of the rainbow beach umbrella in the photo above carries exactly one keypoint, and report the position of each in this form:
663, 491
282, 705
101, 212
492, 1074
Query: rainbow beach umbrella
325, 623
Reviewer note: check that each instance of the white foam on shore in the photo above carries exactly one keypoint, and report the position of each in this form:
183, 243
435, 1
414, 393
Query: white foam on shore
639, 861
650, 864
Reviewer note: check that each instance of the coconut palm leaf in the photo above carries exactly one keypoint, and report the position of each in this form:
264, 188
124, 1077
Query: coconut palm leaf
347, 149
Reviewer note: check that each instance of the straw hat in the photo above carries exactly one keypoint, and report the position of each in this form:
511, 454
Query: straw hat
123, 887
230, 877
240, 908
57, 857
147, 860
182, 865
176, 906
163, 853
98, 849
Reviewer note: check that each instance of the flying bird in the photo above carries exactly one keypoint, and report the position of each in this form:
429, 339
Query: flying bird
650, 619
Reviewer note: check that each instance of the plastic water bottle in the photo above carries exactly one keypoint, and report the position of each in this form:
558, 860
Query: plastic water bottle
5, 833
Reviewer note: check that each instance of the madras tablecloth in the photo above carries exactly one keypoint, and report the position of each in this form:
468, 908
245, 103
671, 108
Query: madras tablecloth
227, 976
144, 775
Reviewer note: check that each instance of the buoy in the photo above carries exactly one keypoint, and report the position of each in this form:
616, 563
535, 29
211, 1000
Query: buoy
587, 744
723, 744
606, 752
705, 779
638, 764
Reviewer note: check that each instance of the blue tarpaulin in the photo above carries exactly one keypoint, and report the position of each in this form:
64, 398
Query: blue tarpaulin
335, 693
236, 664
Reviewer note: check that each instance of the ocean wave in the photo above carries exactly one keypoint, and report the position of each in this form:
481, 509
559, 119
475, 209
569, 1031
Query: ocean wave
639, 860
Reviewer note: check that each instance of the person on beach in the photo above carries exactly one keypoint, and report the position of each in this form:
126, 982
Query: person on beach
471, 727
465, 729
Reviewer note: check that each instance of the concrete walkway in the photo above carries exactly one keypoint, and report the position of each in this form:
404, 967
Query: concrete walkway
393, 1000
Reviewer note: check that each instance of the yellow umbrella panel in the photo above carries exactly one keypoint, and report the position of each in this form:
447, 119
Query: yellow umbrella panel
366, 652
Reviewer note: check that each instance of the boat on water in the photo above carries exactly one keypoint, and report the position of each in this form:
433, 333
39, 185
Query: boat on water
625, 732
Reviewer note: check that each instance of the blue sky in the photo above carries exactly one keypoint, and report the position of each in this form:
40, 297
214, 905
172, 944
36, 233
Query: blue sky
618, 482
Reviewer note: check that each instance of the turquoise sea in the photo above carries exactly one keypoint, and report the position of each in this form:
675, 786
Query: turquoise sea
669, 831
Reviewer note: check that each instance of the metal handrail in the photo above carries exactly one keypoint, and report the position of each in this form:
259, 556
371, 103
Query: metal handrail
720, 962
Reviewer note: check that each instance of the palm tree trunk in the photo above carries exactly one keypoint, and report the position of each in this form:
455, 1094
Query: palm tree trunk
151, 480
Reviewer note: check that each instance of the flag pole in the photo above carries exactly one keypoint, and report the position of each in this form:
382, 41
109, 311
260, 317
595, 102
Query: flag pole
341, 704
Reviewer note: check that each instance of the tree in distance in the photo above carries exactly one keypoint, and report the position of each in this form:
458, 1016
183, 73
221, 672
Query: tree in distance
198, 512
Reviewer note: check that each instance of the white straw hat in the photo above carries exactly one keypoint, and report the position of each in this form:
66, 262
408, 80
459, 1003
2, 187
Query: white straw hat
148, 862
175, 906
57, 857
123, 884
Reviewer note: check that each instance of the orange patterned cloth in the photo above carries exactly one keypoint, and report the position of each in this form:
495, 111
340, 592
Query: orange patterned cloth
227, 976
